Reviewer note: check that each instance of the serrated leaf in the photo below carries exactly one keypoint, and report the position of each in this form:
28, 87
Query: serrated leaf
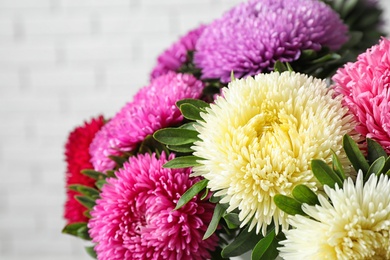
219, 210
288, 205
176, 136
72, 229
232, 220
354, 154
376, 167
200, 104
94, 174
337, 166
182, 162
304, 194
191, 112
374, 151
85, 190
190, 193
324, 174
244, 242
86, 201
263, 246
91, 251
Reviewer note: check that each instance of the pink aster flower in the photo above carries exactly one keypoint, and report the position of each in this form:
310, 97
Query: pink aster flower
77, 158
174, 57
153, 108
135, 216
365, 85
252, 36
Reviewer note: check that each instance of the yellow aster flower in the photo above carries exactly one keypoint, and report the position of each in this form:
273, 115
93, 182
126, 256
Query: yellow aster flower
355, 225
259, 137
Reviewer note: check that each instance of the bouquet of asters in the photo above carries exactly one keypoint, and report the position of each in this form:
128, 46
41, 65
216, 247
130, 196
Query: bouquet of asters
267, 130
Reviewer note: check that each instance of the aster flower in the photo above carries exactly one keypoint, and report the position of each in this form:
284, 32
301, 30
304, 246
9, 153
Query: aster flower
153, 108
135, 217
354, 224
258, 140
252, 36
365, 87
177, 55
77, 159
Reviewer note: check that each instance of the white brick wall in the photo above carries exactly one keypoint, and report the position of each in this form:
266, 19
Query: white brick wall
61, 62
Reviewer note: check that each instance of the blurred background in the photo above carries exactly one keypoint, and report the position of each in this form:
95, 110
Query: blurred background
63, 62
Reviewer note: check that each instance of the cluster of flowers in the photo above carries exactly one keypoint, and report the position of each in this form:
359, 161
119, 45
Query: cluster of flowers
237, 144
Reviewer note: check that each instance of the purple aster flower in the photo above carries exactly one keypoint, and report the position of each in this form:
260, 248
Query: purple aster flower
153, 108
174, 57
135, 216
252, 36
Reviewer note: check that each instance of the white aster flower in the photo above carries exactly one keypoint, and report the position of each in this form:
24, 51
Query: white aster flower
259, 137
355, 224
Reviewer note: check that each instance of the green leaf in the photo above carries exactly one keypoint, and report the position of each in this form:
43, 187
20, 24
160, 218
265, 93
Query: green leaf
244, 242
219, 210
189, 126
304, 194
119, 160
205, 194
72, 229
376, 167
176, 136
185, 148
85, 190
195, 102
288, 205
91, 251
86, 201
324, 174
94, 174
99, 184
280, 67
111, 173
354, 154
183, 162
232, 220
266, 247
375, 151
151, 145
386, 167
191, 112
337, 166
191, 192
82, 233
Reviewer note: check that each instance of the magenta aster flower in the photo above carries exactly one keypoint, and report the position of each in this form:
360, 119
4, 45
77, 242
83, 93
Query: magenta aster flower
249, 38
135, 216
153, 108
365, 85
174, 57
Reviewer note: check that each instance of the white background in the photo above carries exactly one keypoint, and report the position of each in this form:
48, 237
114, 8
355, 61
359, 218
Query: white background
62, 62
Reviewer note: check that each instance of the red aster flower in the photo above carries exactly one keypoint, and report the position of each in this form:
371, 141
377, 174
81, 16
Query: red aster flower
77, 158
